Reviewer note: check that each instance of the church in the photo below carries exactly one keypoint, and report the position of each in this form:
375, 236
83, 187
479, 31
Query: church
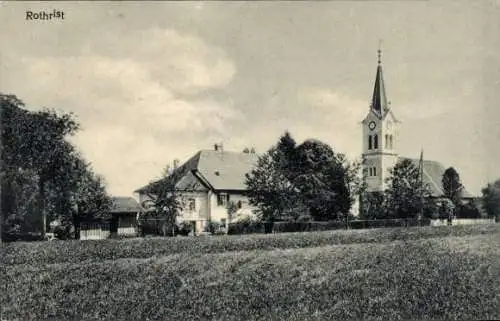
380, 138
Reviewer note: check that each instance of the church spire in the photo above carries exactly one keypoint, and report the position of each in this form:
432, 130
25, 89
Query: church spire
379, 100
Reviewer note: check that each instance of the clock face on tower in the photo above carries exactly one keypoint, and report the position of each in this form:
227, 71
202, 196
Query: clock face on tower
372, 125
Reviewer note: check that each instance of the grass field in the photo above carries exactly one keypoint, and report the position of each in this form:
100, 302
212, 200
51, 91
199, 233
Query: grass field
420, 273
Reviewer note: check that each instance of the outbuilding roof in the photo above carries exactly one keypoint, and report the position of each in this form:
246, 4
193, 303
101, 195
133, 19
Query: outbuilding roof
125, 204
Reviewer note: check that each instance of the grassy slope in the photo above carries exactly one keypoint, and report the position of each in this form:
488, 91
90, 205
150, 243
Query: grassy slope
440, 278
36, 253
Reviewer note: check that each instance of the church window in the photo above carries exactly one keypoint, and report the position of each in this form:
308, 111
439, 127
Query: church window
370, 170
369, 141
374, 171
375, 141
390, 141
387, 141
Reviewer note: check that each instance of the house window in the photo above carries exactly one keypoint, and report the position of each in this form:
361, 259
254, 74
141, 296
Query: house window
222, 199
369, 141
375, 141
239, 204
191, 202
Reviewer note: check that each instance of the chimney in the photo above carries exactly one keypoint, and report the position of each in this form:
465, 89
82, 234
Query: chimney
218, 147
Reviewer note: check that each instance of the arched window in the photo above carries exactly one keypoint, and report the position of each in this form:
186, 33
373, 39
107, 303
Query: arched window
390, 142
375, 141
387, 141
374, 171
371, 171
369, 141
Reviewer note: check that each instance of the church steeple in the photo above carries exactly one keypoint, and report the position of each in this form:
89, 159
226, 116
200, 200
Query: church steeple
379, 100
379, 136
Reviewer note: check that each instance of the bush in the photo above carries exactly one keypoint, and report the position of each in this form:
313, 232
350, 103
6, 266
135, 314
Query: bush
22, 237
246, 226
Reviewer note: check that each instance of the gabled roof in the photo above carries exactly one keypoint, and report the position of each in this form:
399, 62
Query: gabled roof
433, 175
125, 205
214, 169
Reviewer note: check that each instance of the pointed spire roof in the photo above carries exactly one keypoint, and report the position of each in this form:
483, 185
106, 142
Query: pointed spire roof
379, 100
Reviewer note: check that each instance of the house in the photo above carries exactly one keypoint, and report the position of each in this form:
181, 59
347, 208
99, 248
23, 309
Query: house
207, 182
123, 222
380, 137
124, 214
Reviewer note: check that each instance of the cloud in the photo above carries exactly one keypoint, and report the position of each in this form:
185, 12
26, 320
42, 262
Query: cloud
135, 99
332, 117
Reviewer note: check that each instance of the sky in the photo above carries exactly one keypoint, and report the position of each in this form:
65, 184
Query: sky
154, 81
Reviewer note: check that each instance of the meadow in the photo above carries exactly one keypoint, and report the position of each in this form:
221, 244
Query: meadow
414, 273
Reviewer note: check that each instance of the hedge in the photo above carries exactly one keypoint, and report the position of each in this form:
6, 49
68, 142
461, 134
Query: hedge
247, 227
436, 279
97, 250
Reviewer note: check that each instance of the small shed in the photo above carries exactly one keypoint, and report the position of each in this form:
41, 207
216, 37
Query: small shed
124, 214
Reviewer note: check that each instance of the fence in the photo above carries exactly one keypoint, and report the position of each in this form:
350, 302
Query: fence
463, 221
94, 231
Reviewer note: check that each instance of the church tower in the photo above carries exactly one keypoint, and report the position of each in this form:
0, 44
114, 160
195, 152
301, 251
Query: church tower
379, 136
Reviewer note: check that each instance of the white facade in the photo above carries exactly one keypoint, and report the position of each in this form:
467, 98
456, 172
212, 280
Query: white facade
201, 207
379, 149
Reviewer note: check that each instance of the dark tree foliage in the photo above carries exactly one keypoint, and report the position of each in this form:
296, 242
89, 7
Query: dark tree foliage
452, 186
269, 188
373, 206
41, 171
406, 195
491, 199
290, 181
468, 210
166, 202
322, 180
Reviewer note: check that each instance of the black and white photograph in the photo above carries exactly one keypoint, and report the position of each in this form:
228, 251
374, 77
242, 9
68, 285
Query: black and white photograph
250, 160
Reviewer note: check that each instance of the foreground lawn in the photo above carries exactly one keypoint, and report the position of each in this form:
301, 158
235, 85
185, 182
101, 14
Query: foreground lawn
447, 277
36, 253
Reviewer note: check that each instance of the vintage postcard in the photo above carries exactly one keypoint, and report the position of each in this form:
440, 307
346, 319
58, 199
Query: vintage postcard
249, 160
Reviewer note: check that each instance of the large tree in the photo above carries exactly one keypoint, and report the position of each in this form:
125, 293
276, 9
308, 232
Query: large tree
323, 180
290, 180
373, 206
166, 202
452, 186
38, 160
269, 187
407, 195
491, 199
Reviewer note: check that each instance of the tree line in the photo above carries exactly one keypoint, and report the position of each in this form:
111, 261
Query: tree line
43, 176
311, 181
